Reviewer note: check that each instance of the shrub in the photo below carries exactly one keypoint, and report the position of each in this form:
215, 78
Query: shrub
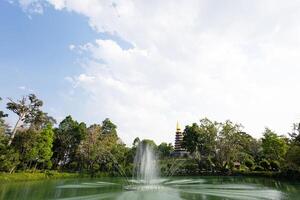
265, 164
249, 163
275, 166
258, 168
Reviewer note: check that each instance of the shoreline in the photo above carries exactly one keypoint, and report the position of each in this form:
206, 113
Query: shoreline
52, 175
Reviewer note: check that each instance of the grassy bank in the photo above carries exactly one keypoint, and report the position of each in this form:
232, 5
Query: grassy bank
51, 174
31, 176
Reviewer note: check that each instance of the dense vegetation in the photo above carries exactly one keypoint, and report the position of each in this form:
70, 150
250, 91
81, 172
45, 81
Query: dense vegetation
36, 143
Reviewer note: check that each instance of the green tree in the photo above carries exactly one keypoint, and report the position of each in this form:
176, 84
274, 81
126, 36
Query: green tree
90, 148
265, 164
151, 143
164, 150
28, 110
102, 151
249, 163
201, 140
228, 144
3, 125
45, 144
136, 142
108, 127
293, 153
67, 138
26, 143
274, 146
9, 158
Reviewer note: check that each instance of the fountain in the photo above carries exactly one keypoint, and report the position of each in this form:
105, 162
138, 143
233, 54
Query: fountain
147, 185
145, 171
145, 164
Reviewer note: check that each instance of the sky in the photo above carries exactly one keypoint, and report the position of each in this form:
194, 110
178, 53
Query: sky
148, 64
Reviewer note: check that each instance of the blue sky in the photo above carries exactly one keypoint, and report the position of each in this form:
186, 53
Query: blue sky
35, 53
147, 64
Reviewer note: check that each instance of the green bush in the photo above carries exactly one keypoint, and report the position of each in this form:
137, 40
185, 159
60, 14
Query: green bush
258, 168
275, 166
249, 163
265, 164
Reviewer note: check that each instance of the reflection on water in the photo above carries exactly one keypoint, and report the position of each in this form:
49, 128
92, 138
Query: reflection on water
208, 188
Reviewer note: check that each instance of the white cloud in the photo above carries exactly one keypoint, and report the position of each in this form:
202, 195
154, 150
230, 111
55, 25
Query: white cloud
24, 88
190, 59
32, 6
72, 47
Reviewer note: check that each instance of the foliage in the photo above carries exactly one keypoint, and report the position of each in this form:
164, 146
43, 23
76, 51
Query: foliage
201, 140
9, 158
274, 146
108, 127
29, 112
67, 138
249, 163
229, 144
45, 144
165, 150
29, 176
3, 126
275, 165
214, 147
265, 164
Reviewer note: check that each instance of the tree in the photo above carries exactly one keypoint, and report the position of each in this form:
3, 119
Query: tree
9, 158
228, 144
274, 164
67, 138
45, 144
29, 113
3, 125
136, 141
90, 148
274, 146
295, 134
201, 140
293, 153
249, 163
148, 142
164, 150
265, 164
26, 144
108, 127
102, 151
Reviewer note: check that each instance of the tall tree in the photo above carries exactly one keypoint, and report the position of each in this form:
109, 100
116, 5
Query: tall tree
45, 144
274, 146
108, 127
3, 125
293, 153
201, 140
29, 113
90, 148
68, 136
164, 150
26, 143
228, 144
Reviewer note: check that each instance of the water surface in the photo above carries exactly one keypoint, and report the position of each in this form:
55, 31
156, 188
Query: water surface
207, 188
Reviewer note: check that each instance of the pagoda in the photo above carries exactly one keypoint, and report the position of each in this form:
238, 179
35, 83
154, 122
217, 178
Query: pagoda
179, 151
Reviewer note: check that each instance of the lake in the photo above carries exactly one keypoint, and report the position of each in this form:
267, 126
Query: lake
207, 188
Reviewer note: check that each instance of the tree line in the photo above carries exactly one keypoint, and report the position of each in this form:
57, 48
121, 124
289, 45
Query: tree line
37, 142
225, 147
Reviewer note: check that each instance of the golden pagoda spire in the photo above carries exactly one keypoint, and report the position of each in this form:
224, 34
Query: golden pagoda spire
177, 126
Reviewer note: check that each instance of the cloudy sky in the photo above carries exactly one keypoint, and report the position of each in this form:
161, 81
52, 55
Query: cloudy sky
146, 64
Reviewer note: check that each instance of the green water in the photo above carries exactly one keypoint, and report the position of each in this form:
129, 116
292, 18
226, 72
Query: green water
206, 188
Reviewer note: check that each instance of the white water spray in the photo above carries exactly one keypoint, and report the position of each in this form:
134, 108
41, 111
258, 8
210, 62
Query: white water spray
145, 164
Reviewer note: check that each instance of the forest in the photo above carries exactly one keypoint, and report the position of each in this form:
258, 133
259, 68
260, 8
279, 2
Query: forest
36, 142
